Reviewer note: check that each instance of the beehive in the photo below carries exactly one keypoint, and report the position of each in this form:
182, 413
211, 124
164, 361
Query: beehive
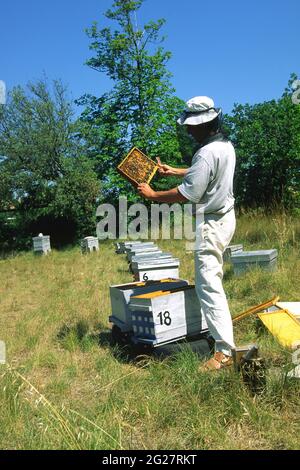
129, 247
230, 251
245, 260
150, 255
142, 251
155, 269
144, 257
41, 244
121, 246
120, 297
162, 317
89, 244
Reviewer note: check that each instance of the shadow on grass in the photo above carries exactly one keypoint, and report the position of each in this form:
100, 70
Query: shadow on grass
77, 336
126, 351
121, 347
104, 338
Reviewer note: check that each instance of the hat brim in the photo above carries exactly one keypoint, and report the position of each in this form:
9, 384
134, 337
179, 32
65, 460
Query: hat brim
196, 119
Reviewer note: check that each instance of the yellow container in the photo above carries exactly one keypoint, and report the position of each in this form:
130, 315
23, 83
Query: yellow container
284, 326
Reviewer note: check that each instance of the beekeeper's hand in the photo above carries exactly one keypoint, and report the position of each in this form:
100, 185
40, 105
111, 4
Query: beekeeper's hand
165, 170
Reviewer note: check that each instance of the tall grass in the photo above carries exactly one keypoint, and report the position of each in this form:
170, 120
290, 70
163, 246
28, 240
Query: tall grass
67, 387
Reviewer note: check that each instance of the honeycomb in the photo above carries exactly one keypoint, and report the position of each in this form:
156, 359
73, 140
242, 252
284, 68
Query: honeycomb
137, 167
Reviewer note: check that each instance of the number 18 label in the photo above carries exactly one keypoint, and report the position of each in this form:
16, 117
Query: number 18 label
165, 318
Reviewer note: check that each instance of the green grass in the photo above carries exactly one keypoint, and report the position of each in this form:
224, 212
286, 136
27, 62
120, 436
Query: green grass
66, 387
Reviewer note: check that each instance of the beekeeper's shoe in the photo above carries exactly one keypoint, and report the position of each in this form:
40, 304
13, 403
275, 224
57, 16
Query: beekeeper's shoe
219, 361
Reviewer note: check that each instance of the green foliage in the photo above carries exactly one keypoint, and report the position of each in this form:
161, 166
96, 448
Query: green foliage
76, 194
34, 136
141, 108
267, 140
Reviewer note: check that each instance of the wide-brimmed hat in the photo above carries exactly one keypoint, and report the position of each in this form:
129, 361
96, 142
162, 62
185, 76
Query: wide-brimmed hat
199, 110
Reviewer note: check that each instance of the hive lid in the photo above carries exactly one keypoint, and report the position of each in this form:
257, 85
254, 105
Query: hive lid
254, 256
137, 242
156, 259
41, 238
140, 247
144, 257
234, 248
132, 285
159, 263
146, 249
139, 255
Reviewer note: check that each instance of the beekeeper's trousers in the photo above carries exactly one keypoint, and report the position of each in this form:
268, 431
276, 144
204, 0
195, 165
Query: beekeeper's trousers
214, 233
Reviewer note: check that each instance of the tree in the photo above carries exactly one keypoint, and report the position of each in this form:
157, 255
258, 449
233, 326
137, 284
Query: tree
35, 131
40, 158
76, 196
267, 140
141, 108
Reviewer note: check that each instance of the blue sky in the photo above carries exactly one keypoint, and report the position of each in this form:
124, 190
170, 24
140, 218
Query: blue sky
233, 50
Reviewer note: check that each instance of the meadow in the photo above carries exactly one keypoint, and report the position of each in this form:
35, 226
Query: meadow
65, 386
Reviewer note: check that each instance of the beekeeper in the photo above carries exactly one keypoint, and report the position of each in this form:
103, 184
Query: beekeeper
208, 184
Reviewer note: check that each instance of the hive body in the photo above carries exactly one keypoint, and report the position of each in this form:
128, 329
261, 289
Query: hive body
120, 296
264, 259
89, 244
41, 244
160, 318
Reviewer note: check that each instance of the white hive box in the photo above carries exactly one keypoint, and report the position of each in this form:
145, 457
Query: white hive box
230, 251
156, 269
149, 256
264, 259
89, 244
162, 317
138, 246
120, 297
41, 244
146, 255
